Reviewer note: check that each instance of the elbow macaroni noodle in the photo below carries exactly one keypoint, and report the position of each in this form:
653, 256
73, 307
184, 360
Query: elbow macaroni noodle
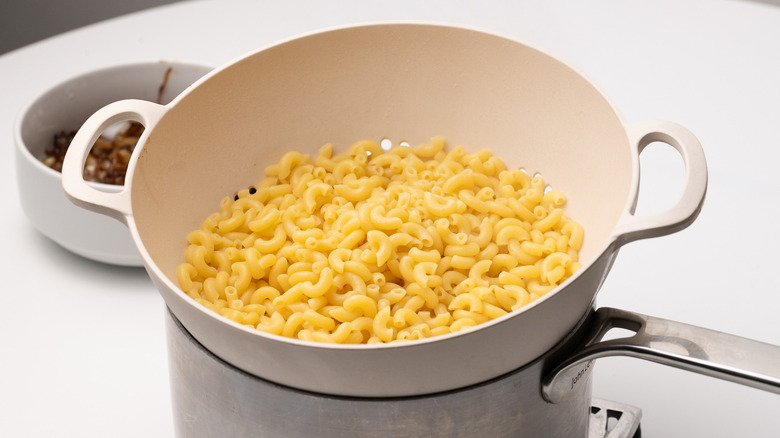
381, 246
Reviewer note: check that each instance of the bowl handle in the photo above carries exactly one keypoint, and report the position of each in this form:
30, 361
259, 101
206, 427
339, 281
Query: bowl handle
700, 350
631, 227
114, 203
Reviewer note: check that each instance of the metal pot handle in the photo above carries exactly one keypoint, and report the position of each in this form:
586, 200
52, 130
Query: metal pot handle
111, 203
704, 351
631, 227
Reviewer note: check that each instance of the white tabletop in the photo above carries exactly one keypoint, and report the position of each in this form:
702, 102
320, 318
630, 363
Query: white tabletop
68, 367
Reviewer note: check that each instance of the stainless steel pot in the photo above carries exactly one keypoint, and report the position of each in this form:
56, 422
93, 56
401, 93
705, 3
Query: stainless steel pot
549, 397
211, 398
401, 82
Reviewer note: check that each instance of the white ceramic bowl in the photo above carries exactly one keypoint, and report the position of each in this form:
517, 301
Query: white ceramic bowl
65, 107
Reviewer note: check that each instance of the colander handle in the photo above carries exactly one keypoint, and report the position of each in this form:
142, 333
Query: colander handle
684, 346
110, 203
632, 227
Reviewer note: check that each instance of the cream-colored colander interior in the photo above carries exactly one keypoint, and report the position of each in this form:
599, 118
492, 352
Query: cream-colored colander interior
403, 82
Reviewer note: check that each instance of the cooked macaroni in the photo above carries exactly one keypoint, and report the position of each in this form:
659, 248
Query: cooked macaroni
381, 246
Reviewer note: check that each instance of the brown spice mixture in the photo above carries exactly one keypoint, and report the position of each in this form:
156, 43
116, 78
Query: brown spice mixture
107, 160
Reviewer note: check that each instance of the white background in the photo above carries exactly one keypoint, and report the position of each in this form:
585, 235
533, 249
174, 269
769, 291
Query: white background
82, 346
